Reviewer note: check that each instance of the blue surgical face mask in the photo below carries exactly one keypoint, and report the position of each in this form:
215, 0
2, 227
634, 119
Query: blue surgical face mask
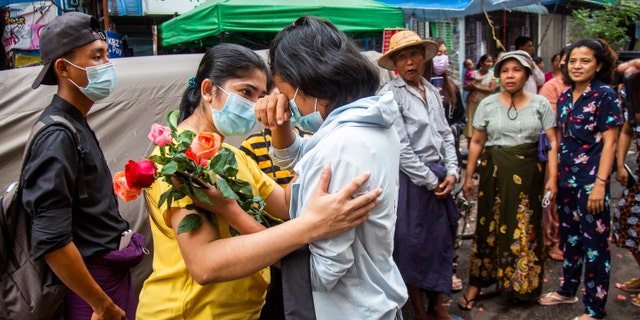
237, 117
102, 80
310, 122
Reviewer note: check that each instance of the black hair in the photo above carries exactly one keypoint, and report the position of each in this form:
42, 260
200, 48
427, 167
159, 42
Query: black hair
219, 64
483, 58
521, 41
563, 63
449, 87
537, 60
603, 54
559, 55
313, 55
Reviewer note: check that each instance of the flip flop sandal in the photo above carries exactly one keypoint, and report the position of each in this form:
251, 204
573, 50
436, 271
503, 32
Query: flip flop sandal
553, 298
627, 285
468, 303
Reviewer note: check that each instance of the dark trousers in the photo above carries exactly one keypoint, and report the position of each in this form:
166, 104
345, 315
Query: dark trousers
584, 239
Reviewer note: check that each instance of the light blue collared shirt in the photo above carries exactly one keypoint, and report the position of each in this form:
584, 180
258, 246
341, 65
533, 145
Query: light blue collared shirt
353, 275
425, 135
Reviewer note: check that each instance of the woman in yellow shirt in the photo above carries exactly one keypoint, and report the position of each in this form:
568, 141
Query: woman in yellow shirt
207, 273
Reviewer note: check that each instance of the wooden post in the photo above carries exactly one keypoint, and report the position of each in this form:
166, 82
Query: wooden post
105, 14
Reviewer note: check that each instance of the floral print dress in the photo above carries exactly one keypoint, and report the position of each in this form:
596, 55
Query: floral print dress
507, 246
626, 216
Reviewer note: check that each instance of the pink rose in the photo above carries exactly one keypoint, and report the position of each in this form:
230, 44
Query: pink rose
206, 145
140, 174
160, 135
121, 188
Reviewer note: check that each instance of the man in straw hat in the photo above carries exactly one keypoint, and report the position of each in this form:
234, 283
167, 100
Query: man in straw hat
427, 216
67, 188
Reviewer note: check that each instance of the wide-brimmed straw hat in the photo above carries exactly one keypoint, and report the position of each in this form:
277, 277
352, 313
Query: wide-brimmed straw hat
522, 56
405, 39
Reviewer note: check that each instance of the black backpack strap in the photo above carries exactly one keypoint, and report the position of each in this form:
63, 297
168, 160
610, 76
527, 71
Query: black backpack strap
14, 192
8, 196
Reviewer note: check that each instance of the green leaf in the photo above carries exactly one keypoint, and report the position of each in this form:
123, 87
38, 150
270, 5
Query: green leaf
227, 192
170, 168
200, 195
164, 197
189, 223
157, 159
186, 137
224, 163
172, 119
177, 195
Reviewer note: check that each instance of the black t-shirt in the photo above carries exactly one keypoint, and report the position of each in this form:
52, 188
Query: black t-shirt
51, 183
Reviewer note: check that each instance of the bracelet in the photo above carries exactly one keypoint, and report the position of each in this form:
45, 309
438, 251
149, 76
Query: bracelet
601, 179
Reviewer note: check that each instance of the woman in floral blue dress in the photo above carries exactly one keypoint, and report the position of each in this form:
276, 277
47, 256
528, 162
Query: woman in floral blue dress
589, 119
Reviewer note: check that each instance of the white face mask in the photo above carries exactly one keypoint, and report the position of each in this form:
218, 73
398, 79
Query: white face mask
102, 80
440, 64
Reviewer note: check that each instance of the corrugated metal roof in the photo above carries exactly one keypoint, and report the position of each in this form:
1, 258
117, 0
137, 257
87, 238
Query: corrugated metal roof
531, 8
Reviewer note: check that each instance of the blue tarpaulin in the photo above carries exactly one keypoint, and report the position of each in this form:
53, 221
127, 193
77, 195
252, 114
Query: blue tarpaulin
431, 10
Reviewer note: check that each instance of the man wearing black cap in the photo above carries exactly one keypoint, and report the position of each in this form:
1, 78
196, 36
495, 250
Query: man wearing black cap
67, 188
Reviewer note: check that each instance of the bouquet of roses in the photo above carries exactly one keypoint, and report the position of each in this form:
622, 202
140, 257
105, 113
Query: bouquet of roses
196, 161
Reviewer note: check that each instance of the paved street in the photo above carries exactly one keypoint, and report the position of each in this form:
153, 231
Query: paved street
490, 307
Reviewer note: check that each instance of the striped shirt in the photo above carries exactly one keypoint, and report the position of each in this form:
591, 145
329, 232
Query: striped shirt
257, 145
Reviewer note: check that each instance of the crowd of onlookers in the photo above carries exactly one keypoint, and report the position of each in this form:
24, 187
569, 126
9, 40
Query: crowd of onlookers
362, 176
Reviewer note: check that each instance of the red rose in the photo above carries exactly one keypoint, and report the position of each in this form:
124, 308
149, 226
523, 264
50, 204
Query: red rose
189, 153
140, 174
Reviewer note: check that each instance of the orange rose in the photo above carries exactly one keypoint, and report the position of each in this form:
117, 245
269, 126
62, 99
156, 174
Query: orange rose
122, 189
206, 145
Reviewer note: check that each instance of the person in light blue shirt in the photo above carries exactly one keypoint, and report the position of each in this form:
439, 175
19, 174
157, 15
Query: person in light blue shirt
329, 87
427, 215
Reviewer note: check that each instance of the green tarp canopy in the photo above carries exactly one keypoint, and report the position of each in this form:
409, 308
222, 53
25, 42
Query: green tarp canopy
252, 17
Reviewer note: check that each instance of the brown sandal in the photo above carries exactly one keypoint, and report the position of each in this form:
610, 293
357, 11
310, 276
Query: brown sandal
636, 300
632, 285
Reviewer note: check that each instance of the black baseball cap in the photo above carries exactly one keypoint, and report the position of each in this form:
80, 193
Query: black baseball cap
62, 35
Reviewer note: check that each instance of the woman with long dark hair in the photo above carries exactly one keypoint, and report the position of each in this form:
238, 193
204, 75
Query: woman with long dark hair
589, 119
436, 72
208, 273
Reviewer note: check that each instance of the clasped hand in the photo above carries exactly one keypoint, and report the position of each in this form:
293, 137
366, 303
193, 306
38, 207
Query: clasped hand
444, 188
